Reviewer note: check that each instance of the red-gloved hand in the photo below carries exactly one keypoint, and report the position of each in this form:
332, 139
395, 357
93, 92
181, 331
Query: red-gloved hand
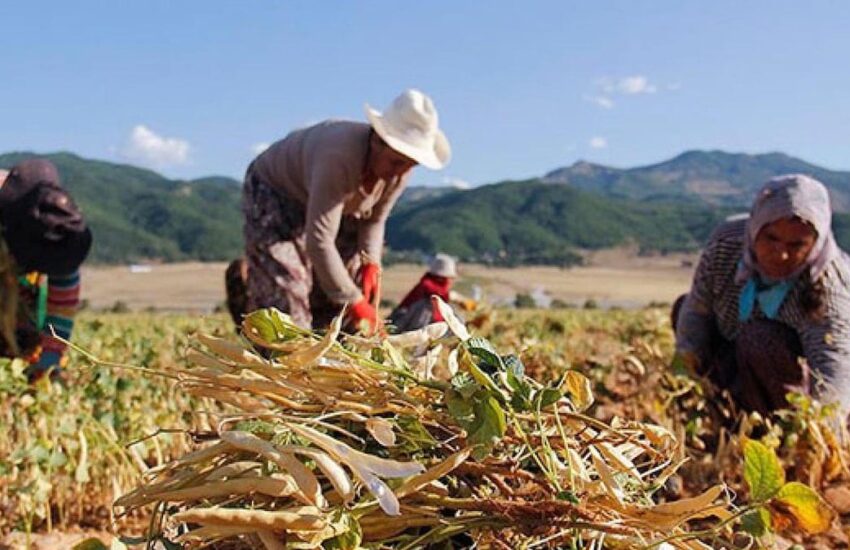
370, 280
363, 316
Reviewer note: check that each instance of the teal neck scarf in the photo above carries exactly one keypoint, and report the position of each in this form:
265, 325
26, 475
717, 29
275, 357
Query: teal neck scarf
769, 297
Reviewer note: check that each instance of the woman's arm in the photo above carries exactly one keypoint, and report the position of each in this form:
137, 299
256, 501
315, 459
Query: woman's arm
370, 236
826, 346
327, 195
695, 324
63, 300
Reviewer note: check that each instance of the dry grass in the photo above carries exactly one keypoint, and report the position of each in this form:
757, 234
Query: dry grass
613, 279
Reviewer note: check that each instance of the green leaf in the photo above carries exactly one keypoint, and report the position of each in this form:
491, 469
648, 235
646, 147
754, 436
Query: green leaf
256, 427
394, 356
272, 325
521, 398
515, 381
484, 350
480, 376
513, 365
489, 425
569, 496
413, 436
546, 397
805, 505
377, 355
762, 471
464, 384
460, 407
351, 534
757, 522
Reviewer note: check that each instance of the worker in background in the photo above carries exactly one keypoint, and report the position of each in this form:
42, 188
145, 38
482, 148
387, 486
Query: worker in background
44, 241
417, 309
316, 204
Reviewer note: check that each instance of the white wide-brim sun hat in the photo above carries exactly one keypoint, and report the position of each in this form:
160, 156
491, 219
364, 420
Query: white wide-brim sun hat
443, 265
410, 125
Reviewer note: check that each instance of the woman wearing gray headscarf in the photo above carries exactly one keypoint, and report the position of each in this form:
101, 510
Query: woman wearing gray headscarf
771, 290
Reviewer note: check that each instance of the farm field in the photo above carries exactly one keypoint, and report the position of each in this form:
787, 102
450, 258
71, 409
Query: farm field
614, 278
67, 453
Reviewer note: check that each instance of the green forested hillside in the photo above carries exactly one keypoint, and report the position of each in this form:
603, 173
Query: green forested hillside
532, 222
139, 215
136, 214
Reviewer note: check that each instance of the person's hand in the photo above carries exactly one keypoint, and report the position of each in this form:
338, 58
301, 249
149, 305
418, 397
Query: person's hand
43, 363
370, 281
363, 317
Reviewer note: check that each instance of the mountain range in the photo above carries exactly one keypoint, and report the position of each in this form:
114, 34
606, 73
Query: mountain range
139, 215
711, 177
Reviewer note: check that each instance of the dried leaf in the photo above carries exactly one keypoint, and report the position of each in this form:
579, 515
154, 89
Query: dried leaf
455, 325
606, 476
419, 337
434, 473
382, 430
579, 388
809, 511
670, 515
617, 459
310, 355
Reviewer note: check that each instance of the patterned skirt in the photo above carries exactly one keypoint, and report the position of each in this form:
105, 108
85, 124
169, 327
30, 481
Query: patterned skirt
278, 270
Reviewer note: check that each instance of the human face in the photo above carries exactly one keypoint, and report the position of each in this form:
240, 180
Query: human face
386, 163
782, 247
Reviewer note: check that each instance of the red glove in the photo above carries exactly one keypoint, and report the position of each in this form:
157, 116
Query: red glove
363, 316
370, 280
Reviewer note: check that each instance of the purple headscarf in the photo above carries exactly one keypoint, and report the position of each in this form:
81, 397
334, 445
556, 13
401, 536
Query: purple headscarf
793, 195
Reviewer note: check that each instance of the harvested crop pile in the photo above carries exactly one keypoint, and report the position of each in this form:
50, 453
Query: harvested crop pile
413, 440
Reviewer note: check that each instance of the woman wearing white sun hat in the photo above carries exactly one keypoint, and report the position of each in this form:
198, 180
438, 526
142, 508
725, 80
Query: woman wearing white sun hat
316, 203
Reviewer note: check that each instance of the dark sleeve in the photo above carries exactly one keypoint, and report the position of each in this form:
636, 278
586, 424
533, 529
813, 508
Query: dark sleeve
696, 319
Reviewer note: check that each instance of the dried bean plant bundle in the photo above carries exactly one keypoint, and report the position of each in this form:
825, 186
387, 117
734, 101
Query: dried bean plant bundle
407, 441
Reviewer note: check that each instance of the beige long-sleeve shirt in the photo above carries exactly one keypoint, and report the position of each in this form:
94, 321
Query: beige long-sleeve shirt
322, 167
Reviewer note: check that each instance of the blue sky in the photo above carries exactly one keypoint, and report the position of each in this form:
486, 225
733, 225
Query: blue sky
190, 87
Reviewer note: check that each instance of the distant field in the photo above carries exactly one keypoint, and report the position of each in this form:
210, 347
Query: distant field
611, 280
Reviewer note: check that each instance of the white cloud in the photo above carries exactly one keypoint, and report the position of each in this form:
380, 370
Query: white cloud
258, 148
607, 88
633, 85
598, 142
601, 101
457, 183
151, 149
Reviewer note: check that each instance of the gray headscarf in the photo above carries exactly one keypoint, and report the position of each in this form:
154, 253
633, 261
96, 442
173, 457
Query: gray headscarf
784, 197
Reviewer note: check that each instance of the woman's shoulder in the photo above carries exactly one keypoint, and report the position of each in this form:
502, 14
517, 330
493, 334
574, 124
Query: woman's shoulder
837, 275
727, 241
733, 230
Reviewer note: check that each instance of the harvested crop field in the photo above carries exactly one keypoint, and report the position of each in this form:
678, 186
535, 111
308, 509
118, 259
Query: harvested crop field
68, 453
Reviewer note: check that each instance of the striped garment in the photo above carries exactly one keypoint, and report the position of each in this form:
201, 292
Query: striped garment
713, 301
63, 300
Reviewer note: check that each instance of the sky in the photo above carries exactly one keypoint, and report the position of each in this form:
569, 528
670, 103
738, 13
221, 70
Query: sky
194, 88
